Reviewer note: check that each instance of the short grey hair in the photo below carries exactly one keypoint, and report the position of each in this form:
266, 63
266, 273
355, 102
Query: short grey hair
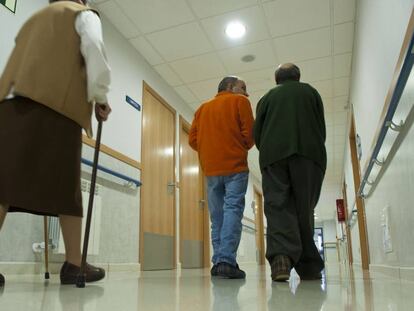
227, 83
287, 72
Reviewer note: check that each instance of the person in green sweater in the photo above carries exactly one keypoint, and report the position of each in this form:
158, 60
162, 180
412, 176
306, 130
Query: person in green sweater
290, 134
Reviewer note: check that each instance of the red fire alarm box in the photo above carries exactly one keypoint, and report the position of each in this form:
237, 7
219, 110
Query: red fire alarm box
340, 209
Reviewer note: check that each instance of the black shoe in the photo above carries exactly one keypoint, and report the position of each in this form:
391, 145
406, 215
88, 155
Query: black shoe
228, 271
1, 280
213, 270
69, 273
310, 276
281, 266
309, 271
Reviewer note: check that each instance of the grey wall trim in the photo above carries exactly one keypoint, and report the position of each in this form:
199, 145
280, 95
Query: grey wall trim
158, 252
192, 254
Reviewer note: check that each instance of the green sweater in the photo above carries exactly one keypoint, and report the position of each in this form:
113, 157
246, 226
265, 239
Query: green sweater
290, 120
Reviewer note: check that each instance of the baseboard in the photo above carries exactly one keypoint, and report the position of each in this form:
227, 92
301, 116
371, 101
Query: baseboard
21, 267
392, 271
407, 273
28, 267
124, 267
241, 263
54, 267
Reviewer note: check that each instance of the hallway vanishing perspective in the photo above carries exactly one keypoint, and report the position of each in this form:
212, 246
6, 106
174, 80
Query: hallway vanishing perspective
341, 288
151, 228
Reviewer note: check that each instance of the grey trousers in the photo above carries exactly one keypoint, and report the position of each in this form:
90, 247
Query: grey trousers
291, 189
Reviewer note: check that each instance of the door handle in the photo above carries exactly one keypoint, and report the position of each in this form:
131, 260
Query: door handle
201, 203
171, 187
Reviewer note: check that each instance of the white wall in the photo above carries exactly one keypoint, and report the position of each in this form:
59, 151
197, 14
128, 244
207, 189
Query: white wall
329, 231
329, 235
11, 23
380, 29
129, 70
349, 178
326, 207
356, 249
247, 248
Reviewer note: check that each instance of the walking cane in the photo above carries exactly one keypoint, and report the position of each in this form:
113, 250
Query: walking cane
80, 282
46, 236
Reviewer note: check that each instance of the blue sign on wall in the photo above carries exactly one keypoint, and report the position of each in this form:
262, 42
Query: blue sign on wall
133, 103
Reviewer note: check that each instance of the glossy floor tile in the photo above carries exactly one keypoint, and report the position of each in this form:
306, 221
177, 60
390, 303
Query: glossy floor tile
341, 289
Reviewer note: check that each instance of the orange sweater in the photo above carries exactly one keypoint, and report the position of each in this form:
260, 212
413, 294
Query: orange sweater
222, 133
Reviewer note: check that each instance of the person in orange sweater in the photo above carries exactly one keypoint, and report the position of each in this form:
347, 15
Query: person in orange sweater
222, 134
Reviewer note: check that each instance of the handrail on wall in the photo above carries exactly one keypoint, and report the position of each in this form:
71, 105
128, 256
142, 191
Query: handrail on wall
249, 227
130, 180
388, 123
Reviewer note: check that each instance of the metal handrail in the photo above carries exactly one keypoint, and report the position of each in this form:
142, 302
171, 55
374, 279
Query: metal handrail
330, 244
130, 180
248, 227
389, 124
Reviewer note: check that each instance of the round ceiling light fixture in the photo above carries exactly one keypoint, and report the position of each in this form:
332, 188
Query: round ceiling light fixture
235, 30
248, 58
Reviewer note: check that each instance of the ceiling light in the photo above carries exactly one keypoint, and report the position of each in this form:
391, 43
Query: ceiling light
235, 30
248, 58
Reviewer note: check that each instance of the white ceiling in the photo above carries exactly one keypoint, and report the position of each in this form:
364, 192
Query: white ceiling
184, 41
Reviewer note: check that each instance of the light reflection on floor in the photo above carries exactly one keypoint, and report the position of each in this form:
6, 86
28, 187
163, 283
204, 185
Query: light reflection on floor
340, 289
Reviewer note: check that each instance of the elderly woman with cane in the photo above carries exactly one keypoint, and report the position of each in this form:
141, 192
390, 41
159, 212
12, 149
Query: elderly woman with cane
55, 77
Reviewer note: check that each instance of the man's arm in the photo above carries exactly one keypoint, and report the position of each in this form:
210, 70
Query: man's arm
246, 122
192, 136
258, 124
321, 113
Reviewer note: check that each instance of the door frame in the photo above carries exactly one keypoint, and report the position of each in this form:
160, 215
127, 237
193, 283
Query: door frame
359, 202
347, 228
147, 89
323, 241
259, 222
184, 125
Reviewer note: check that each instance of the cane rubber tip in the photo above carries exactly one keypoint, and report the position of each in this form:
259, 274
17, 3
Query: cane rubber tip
80, 282
47, 276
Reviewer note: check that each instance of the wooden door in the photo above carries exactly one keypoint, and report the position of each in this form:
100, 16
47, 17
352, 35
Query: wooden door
258, 199
346, 224
157, 222
192, 204
359, 202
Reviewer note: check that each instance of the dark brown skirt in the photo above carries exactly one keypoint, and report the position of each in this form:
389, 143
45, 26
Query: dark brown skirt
40, 153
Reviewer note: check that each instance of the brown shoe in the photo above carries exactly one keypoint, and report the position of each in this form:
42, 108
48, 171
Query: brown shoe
69, 273
1, 280
281, 266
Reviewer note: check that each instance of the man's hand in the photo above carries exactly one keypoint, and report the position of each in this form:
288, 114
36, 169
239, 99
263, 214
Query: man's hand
102, 111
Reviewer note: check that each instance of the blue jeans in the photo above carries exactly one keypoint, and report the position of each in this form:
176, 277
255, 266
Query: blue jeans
226, 206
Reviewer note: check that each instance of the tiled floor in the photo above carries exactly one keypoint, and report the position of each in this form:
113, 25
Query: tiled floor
341, 289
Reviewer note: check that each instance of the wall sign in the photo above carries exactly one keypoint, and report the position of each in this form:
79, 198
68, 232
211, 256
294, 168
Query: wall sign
340, 210
132, 102
10, 4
